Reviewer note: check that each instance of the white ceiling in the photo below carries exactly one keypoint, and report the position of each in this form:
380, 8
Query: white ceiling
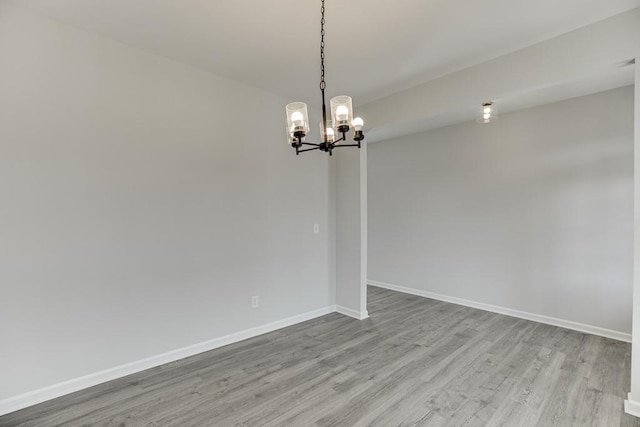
373, 48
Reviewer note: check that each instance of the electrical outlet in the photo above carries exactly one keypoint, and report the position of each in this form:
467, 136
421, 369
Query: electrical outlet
316, 228
255, 302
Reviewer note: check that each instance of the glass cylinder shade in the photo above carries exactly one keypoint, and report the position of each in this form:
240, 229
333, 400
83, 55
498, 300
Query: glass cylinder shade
297, 119
331, 135
341, 112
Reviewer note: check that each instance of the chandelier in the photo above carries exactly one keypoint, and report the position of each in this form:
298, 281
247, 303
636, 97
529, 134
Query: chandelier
332, 132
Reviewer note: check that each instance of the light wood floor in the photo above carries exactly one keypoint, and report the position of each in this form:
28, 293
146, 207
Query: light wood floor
416, 361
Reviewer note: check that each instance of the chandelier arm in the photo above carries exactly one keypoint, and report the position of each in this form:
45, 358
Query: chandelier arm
342, 138
347, 145
308, 149
310, 143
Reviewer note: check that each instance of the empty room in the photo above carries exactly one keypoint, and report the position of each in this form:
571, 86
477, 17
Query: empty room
319, 213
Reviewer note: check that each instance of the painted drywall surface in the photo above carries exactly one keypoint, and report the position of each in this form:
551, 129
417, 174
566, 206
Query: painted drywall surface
635, 351
533, 212
332, 224
143, 203
350, 189
364, 230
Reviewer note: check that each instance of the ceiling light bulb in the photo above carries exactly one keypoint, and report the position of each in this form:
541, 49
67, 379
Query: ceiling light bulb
330, 135
487, 110
487, 116
357, 123
297, 118
342, 112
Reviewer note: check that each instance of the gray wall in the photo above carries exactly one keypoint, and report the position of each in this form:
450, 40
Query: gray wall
533, 212
142, 203
349, 170
633, 402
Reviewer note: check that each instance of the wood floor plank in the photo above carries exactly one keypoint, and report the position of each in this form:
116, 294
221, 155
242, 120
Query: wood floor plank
414, 362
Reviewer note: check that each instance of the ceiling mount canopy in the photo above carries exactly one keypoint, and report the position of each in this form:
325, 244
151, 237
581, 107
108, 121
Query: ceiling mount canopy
333, 131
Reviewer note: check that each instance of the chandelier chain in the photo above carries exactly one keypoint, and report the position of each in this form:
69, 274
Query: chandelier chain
322, 82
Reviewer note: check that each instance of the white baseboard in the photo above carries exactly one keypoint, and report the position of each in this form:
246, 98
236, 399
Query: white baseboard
581, 327
360, 315
38, 396
632, 406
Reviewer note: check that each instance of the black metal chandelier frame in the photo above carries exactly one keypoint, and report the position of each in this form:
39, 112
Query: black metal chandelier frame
326, 145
